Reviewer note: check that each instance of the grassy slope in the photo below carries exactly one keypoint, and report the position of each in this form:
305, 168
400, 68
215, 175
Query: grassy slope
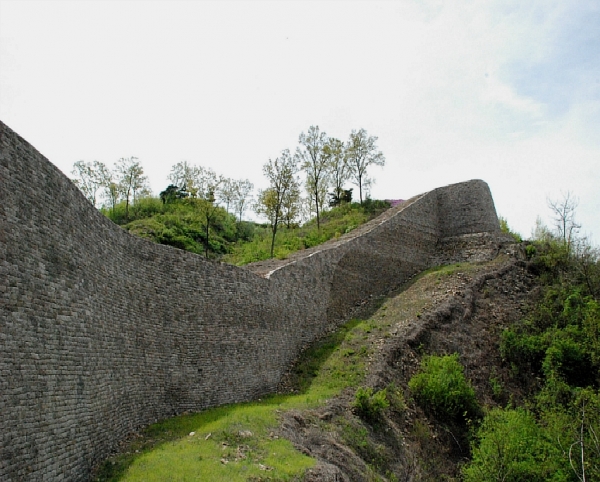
236, 442
182, 224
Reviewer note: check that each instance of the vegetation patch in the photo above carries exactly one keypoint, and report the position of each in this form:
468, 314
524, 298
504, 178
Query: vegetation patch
238, 442
441, 387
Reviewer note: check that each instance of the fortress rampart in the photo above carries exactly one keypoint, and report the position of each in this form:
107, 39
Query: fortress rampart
102, 333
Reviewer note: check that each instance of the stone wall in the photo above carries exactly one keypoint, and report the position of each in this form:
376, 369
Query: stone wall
102, 333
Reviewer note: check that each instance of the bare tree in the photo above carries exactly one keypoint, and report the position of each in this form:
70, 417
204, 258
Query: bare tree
315, 164
281, 174
361, 153
564, 217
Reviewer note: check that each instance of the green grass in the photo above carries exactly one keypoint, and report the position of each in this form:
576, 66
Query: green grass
237, 442
334, 223
182, 224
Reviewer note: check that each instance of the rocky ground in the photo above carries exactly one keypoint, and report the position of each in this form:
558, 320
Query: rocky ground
457, 309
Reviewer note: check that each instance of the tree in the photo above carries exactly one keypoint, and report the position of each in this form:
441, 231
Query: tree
315, 164
88, 177
207, 185
281, 174
172, 193
339, 170
243, 195
564, 217
228, 192
362, 153
130, 180
292, 205
183, 175
344, 197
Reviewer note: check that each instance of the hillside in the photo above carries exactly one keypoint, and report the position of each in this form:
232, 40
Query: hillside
199, 227
457, 309
352, 411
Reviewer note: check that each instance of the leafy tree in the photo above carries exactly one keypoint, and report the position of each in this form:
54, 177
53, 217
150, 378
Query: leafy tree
281, 174
88, 177
227, 192
511, 447
184, 175
339, 169
130, 180
291, 205
243, 195
316, 166
172, 193
208, 184
361, 153
339, 197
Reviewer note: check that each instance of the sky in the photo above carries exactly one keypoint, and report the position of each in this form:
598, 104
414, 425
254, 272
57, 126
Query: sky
504, 91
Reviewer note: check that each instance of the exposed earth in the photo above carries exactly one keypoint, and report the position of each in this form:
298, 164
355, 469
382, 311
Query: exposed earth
460, 308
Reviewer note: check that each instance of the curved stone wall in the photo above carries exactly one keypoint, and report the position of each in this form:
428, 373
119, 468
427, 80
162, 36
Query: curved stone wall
102, 333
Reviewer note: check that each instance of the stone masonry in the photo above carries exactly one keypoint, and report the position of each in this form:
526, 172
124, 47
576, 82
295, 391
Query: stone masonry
102, 333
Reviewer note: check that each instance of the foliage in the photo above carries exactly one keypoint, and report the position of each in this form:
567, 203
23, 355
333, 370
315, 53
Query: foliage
334, 223
361, 153
131, 181
89, 177
560, 338
173, 193
506, 229
341, 196
512, 447
181, 224
339, 171
557, 344
184, 446
369, 404
441, 387
315, 164
281, 174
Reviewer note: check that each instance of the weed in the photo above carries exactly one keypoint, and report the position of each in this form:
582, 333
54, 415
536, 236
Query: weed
369, 404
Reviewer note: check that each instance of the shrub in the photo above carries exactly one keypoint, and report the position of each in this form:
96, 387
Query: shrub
511, 446
369, 404
441, 387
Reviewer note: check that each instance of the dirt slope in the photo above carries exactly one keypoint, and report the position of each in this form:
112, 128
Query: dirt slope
458, 309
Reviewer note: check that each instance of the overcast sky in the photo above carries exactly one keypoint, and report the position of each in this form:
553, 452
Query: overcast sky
504, 91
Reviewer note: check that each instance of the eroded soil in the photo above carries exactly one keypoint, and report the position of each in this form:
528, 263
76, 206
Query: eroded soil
458, 309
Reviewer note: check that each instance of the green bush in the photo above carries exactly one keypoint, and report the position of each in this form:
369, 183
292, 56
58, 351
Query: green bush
510, 446
559, 338
369, 404
441, 387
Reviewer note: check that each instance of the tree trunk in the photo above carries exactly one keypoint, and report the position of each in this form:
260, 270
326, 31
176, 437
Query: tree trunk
206, 238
